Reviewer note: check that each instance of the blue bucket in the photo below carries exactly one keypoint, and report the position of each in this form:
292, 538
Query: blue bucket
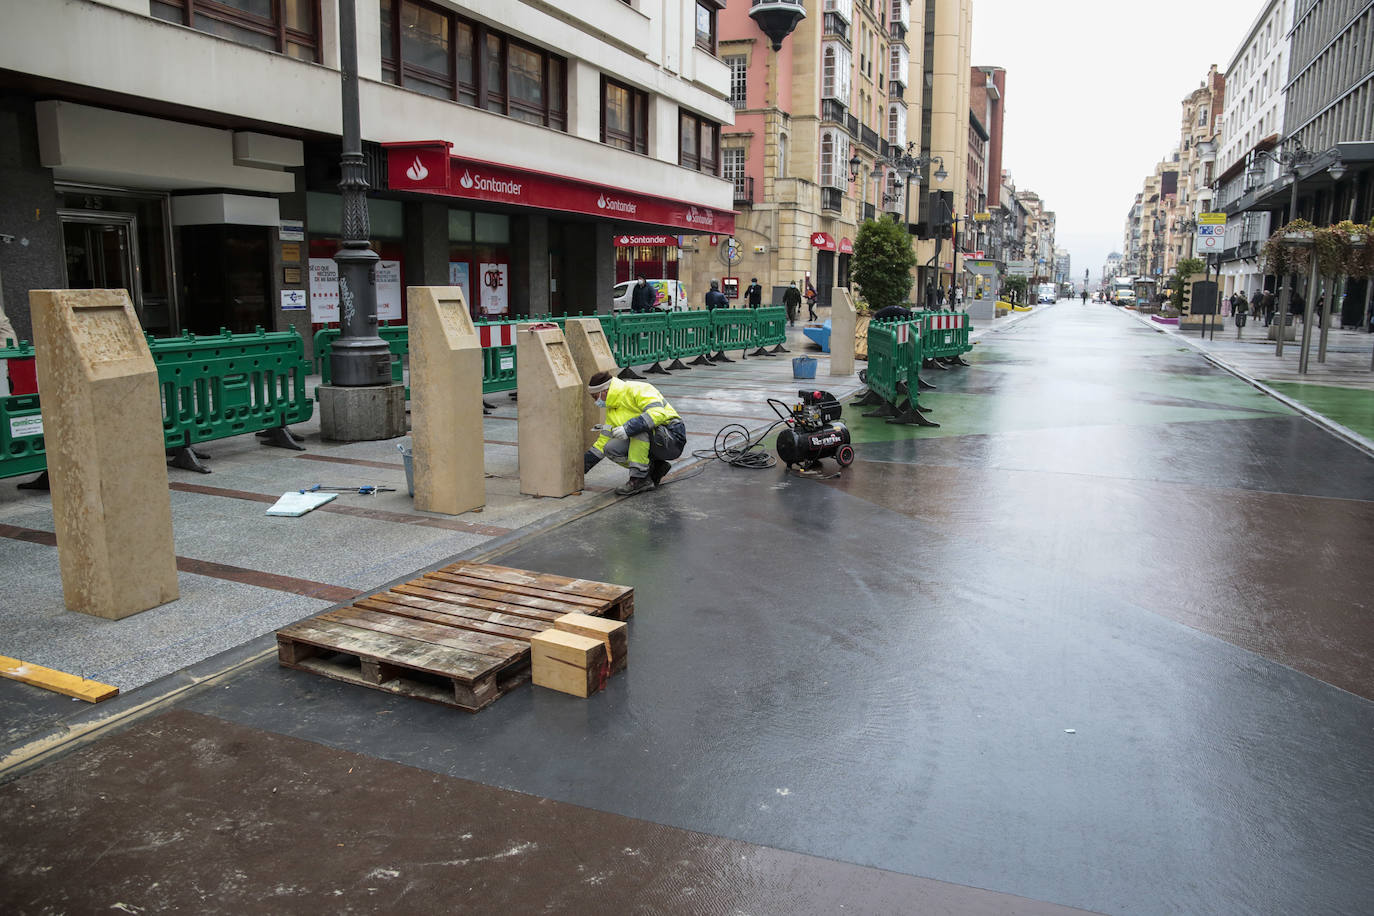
803, 367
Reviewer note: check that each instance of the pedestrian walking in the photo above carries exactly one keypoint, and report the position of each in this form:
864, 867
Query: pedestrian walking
754, 293
641, 431
1266, 306
1085, 296
715, 299
643, 299
810, 300
791, 298
1241, 310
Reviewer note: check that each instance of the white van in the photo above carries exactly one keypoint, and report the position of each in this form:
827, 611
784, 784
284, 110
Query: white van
669, 295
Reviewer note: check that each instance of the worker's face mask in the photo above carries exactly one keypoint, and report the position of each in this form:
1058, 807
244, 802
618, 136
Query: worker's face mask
600, 401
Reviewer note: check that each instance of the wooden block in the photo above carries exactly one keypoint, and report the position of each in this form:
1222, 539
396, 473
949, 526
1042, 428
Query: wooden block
568, 662
613, 633
57, 681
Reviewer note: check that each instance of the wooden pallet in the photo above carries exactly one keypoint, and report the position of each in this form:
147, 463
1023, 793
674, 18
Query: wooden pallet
458, 636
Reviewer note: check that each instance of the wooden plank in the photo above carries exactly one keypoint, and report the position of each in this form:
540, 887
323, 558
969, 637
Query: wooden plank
587, 588
510, 620
613, 633
526, 595
568, 662
423, 609
458, 594
452, 693
424, 631
396, 650
57, 681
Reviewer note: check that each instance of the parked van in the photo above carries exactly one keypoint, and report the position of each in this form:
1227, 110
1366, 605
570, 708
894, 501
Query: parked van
669, 295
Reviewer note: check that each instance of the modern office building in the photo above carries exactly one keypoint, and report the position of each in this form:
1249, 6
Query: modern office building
188, 150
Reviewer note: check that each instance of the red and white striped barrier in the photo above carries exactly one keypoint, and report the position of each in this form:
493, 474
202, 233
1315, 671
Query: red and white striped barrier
946, 322
496, 335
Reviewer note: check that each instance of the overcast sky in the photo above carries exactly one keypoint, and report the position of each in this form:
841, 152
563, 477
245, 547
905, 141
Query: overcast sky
1093, 99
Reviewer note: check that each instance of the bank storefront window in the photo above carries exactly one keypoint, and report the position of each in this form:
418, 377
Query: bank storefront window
479, 261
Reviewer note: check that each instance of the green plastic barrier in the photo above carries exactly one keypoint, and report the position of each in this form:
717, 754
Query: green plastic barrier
772, 327
887, 361
944, 334
230, 384
689, 335
733, 329
21, 435
641, 338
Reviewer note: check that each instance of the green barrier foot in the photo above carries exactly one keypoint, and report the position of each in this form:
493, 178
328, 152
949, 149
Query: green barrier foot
958, 361
923, 385
678, 364
38, 483
935, 364
281, 438
487, 406
630, 374
188, 459
912, 418
702, 360
886, 409
779, 349
721, 358
655, 369
870, 398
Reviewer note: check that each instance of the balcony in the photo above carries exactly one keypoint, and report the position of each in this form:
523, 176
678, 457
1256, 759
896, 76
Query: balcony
832, 199
896, 90
852, 125
744, 192
832, 110
833, 24
869, 137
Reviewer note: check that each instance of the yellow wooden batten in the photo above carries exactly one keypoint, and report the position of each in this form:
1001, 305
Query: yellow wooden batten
58, 681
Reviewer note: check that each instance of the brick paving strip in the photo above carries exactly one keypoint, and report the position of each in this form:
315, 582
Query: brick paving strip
310, 589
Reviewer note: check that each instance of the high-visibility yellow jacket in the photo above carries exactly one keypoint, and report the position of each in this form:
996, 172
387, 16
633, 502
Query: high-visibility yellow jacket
639, 407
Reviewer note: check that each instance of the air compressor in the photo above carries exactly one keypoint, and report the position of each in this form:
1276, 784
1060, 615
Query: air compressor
814, 431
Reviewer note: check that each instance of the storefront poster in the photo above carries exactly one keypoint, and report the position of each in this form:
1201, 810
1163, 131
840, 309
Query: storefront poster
458, 276
388, 274
324, 291
495, 294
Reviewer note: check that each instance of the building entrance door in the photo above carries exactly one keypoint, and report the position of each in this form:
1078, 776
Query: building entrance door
825, 277
99, 252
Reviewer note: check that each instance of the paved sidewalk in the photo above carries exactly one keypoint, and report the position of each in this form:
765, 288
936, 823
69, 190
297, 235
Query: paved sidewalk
243, 574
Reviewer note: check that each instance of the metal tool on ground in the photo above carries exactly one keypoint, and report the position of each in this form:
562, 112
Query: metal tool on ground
365, 490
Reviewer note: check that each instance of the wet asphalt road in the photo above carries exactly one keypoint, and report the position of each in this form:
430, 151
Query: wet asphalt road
1103, 640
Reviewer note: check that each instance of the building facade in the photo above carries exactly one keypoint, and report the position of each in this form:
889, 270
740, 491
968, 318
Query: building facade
189, 151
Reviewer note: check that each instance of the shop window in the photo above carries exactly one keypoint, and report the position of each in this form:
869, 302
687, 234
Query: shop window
699, 143
624, 116
288, 27
431, 50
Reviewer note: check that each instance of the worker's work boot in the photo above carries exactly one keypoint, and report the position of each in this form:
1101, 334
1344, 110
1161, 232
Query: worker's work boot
636, 485
658, 469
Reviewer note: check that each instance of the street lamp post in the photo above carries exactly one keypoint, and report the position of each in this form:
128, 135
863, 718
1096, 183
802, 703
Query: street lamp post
1291, 160
908, 166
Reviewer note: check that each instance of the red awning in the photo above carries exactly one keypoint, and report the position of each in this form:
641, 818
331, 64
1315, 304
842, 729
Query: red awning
823, 241
423, 166
846, 246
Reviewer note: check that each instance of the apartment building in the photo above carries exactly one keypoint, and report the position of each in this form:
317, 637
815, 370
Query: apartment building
188, 150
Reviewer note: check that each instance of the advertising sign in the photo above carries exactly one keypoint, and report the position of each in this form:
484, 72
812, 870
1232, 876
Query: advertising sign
494, 290
388, 274
324, 291
458, 276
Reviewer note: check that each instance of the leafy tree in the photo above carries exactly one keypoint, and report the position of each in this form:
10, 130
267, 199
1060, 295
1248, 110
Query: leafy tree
1014, 289
882, 263
1178, 283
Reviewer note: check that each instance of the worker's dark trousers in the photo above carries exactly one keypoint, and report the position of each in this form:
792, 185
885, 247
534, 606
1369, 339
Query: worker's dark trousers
668, 440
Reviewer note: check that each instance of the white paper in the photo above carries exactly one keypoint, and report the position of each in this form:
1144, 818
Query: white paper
495, 293
388, 276
293, 300
324, 290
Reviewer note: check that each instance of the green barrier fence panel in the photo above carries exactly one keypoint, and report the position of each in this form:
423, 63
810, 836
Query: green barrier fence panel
21, 434
229, 384
641, 339
772, 326
689, 334
733, 329
886, 361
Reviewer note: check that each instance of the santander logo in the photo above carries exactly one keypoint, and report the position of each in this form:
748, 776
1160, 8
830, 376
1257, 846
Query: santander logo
620, 206
466, 181
505, 186
417, 171
698, 218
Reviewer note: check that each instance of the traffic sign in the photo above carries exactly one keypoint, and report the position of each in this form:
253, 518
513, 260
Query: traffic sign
1211, 233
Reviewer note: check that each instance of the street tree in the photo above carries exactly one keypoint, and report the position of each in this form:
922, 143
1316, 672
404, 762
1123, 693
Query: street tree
1014, 289
882, 263
1178, 283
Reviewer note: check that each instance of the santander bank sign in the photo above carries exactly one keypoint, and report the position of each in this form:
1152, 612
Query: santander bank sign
429, 167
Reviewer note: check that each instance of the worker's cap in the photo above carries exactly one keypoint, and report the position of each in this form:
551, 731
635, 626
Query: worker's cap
599, 382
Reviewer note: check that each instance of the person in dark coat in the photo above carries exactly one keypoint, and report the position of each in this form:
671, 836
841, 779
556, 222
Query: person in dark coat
715, 299
642, 298
754, 293
791, 298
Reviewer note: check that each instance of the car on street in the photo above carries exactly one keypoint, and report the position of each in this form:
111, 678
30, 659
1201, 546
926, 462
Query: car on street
669, 295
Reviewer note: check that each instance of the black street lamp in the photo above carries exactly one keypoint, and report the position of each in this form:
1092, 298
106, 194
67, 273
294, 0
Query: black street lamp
359, 357
908, 166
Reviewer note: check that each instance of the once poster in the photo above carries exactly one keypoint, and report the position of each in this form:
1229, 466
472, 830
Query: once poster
495, 293
324, 291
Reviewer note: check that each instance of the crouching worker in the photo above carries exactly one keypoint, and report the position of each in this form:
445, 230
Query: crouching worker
641, 431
